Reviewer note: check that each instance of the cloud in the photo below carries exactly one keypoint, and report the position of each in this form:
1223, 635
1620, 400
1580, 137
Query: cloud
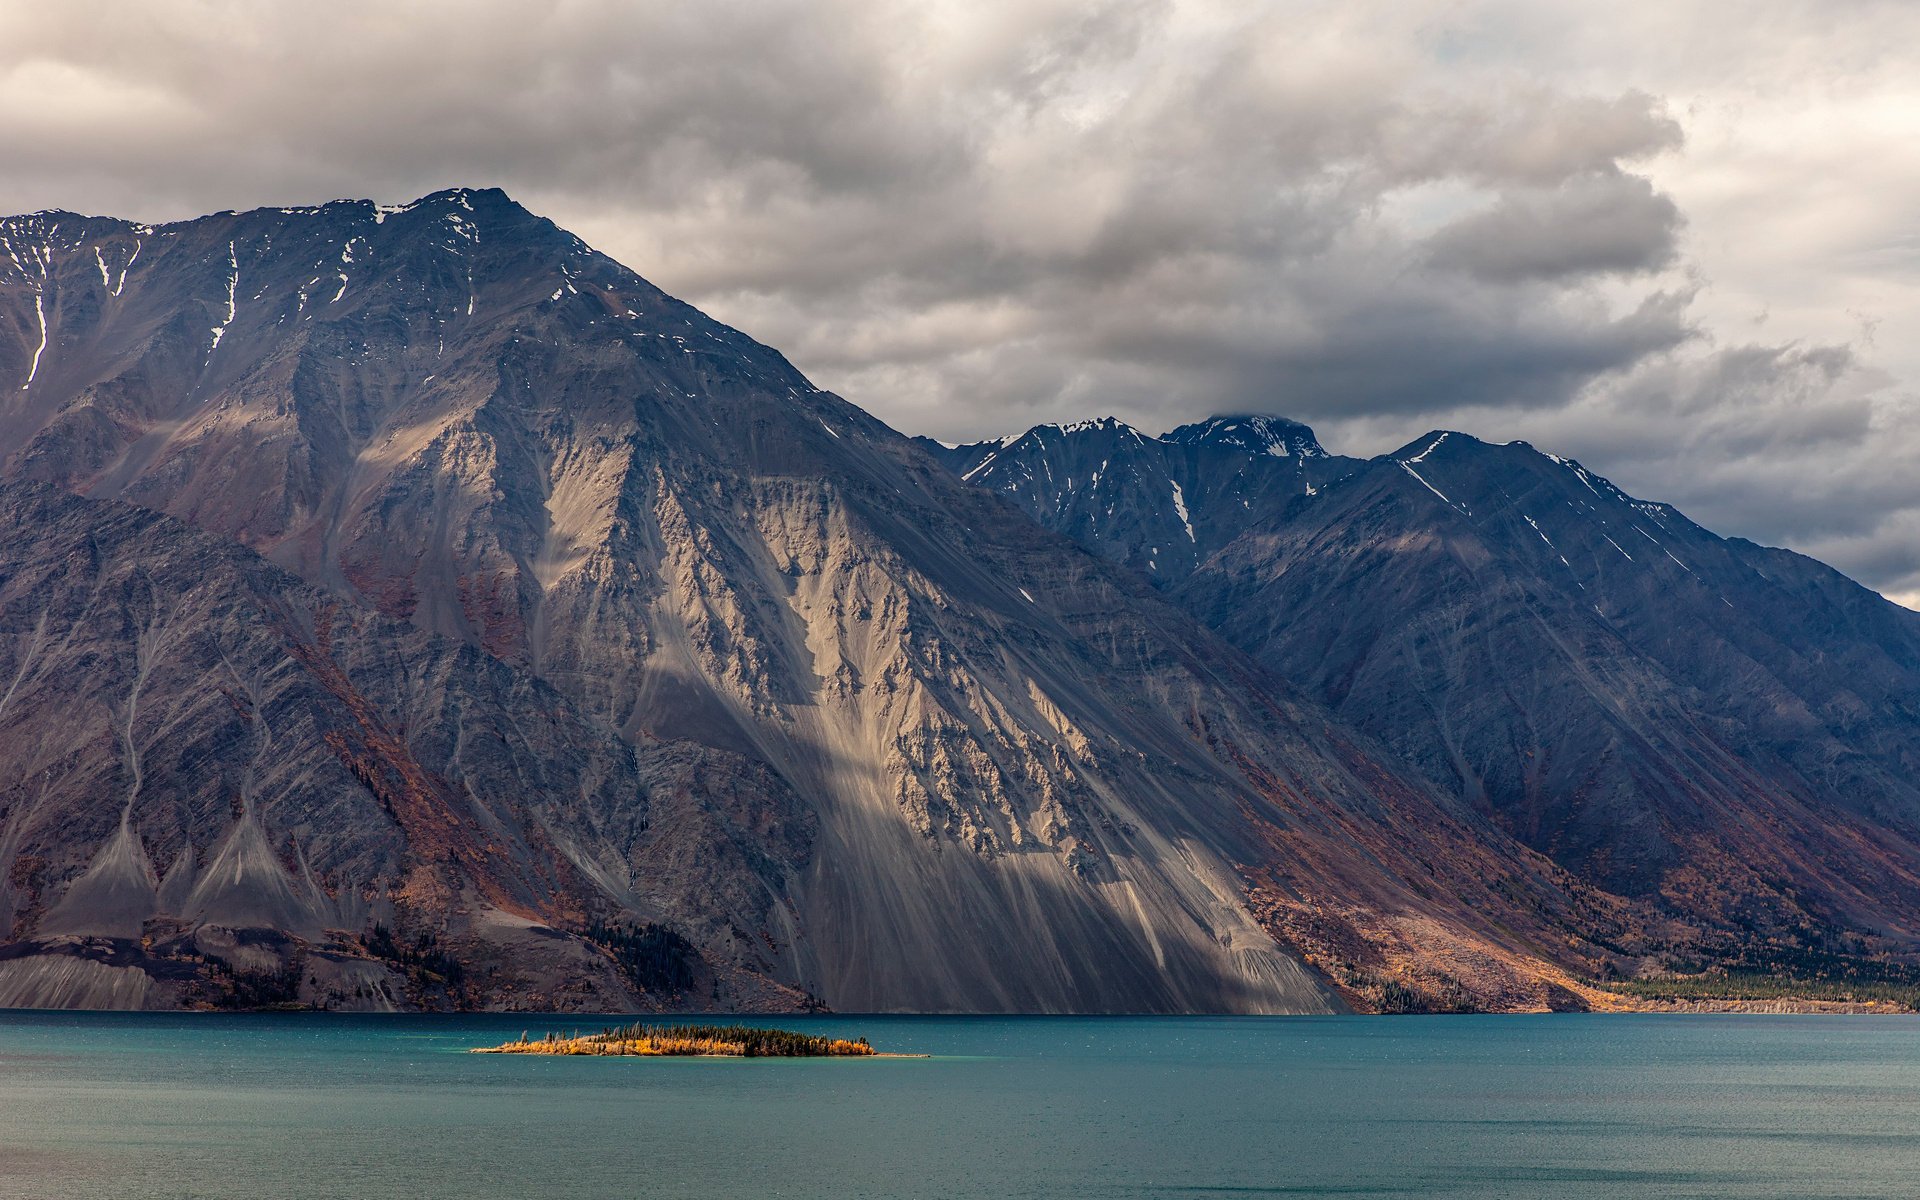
968, 217
1595, 224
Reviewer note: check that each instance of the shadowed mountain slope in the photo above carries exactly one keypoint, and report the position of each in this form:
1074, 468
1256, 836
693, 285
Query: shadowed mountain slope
1646, 701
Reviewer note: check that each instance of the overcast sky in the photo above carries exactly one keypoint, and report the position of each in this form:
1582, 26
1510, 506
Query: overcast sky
1676, 239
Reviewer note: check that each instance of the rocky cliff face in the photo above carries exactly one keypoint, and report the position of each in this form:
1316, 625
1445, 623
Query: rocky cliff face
1724, 731
885, 741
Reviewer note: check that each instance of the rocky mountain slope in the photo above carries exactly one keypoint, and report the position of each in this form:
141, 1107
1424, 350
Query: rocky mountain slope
924, 754
1726, 731
224, 786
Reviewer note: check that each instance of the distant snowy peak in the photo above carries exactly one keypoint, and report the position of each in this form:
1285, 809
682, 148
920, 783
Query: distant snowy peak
1258, 434
1103, 426
1160, 505
1255, 433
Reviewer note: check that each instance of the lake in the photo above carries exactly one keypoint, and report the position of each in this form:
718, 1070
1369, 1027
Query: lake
314, 1105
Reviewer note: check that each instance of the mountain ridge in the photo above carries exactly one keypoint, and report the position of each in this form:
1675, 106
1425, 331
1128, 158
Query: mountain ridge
846, 727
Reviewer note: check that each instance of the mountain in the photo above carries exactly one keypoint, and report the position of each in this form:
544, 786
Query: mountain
894, 746
1726, 731
1161, 506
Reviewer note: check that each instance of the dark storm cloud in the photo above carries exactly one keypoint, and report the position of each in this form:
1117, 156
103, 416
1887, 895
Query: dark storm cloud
1590, 225
970, 217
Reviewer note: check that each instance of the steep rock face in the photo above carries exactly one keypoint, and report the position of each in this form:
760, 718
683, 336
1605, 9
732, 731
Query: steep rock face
1161, 505
223, 786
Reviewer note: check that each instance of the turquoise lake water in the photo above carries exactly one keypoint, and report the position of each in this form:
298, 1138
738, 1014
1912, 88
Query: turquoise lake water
1551, 1106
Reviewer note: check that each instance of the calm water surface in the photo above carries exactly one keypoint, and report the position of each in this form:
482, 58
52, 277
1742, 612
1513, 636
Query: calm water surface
1560, 1106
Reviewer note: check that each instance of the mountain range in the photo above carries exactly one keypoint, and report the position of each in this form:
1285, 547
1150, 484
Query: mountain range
409, 606
1720, 729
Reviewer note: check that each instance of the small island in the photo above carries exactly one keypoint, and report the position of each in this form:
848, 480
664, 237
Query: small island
694, 1041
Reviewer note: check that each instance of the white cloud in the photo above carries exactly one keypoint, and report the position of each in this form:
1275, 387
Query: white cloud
1670, 240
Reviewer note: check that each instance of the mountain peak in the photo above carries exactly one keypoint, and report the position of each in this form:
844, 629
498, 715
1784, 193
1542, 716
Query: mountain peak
486, 199
1256, 433
1435, 440
1097, 425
